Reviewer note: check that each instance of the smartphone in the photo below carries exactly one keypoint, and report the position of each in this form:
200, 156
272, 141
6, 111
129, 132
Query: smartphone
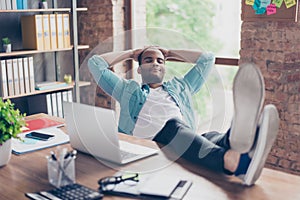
39, 136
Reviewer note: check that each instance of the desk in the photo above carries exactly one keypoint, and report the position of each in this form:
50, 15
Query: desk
28, 173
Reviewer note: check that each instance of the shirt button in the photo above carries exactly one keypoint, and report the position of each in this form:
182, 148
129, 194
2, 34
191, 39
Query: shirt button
134, 117
141, 103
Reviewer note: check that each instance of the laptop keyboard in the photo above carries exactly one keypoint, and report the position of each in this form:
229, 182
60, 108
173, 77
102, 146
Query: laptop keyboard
126, 154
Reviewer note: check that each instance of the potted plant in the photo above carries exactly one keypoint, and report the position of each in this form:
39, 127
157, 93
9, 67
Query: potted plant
6, 44
11, 122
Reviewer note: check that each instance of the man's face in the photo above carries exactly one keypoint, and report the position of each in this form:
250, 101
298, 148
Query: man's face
153, 67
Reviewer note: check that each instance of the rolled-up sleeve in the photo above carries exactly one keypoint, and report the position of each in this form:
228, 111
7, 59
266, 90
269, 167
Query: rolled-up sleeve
196, 77
104, 77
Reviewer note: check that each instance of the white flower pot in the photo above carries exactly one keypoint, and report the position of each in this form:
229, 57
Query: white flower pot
5, 152
7, 48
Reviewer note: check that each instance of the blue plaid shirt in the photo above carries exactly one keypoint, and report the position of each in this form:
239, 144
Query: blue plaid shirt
132, 96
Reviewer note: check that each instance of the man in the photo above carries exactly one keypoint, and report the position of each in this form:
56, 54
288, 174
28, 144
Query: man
162, 111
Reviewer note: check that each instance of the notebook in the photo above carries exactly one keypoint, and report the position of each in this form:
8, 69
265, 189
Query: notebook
93, 130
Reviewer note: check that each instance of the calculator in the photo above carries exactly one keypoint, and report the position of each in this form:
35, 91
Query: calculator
74, 191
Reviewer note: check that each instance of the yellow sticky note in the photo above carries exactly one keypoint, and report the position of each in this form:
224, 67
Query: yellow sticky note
278, 3
289, 3
249, 2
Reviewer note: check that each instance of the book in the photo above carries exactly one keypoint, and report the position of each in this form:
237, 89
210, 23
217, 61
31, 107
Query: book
21, 76
8, 4
26, 75
54, 104
70, 96
27, 145
10, 78
25, 4
46, 32
155, 185
14, 4
66, 30
65, 96
53, 37
19, 4
41, 123
3, 79
59, 104
3, 4
16, 76
49, 104
47, 85
31, 74
32, 32
59, 31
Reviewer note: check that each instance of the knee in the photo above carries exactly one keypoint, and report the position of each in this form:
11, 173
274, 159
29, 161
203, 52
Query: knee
175, 122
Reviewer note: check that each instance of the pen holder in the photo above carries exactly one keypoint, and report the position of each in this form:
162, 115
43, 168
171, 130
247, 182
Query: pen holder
61, 173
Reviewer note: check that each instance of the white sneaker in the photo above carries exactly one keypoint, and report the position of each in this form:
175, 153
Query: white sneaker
267, 133
248, 98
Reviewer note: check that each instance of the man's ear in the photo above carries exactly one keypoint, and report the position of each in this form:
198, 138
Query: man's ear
139, 69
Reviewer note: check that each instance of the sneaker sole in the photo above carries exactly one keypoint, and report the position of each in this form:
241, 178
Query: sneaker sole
267, 134
248, 98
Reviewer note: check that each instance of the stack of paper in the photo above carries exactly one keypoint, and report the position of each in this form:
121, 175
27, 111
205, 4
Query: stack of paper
158, 185
50, 85
29, 144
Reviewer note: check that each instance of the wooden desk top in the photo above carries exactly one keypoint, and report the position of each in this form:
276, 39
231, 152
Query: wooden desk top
28, 173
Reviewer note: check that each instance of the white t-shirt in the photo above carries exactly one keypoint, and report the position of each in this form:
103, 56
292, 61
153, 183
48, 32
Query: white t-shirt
157, 110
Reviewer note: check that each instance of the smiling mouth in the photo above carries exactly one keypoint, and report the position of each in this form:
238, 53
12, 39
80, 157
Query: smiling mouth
156, 70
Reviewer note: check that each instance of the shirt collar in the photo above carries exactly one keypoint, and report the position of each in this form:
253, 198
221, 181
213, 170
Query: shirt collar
146, 87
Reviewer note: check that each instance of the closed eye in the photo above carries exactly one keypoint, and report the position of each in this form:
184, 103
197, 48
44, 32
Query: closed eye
150, 60
160, 61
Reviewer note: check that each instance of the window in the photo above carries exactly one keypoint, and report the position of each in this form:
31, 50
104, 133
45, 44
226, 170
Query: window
201, 24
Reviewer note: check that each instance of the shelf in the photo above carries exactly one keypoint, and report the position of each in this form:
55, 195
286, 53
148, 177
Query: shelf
43, 10
28, 52
81, 84
37, 10
81, 9
72, 11
83, 47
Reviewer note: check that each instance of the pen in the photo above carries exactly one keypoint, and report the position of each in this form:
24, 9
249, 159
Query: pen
72, 154
67, 155
53, 155
62, 155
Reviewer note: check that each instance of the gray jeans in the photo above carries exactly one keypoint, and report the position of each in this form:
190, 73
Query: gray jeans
206, 149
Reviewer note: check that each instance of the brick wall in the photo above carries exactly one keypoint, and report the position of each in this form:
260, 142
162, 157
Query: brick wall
96, 27
275, 48
102, 28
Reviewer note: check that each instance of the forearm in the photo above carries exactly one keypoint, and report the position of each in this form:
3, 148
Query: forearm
190, 56
115, 57
105, 78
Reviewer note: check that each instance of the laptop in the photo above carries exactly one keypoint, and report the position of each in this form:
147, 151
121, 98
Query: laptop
93, 130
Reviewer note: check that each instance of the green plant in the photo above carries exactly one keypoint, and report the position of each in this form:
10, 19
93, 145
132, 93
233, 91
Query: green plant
11, 121
6, 40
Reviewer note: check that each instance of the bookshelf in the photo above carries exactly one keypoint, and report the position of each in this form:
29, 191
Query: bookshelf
43, 10
30, 52
36, 92
43, 54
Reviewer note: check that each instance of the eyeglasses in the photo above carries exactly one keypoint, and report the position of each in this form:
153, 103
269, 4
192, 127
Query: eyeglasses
109, 183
